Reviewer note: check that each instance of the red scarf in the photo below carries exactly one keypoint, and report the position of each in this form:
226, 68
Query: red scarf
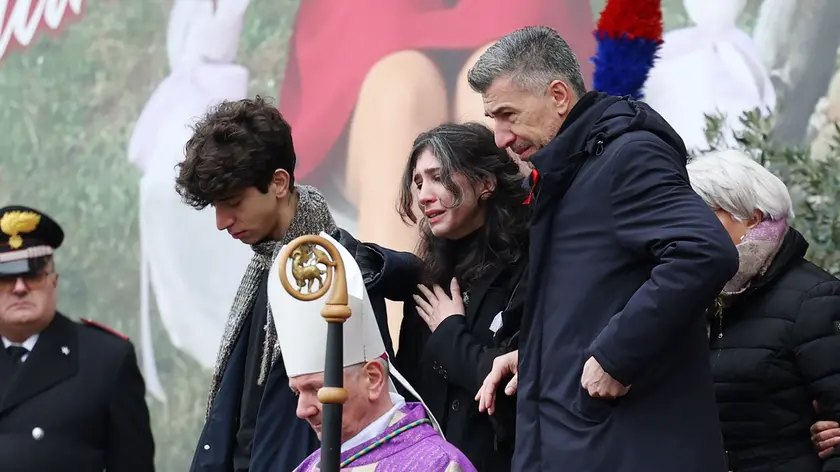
535, 177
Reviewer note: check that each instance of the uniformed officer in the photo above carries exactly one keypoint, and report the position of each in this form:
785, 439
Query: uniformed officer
71, 394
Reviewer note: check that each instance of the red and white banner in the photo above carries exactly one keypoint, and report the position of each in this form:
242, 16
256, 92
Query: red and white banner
24, 20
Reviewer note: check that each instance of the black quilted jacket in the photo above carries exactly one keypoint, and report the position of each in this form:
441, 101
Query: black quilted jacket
774, 351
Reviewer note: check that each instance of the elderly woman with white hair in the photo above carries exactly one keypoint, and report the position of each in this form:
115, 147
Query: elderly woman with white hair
774, 329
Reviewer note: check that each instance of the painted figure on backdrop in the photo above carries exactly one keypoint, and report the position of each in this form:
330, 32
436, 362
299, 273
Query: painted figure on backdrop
825, 120
711, 67
402, 67
192, 273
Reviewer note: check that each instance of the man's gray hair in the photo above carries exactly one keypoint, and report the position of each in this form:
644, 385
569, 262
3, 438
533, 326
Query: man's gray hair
532, 57
731, 181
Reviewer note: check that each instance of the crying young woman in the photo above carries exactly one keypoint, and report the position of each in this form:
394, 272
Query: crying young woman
465, 303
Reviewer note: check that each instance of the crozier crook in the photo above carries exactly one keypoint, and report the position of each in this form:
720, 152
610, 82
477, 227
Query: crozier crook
304, 255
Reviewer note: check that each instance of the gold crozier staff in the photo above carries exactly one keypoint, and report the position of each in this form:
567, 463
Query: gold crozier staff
305, 254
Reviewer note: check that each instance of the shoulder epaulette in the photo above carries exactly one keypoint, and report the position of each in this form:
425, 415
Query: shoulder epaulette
107, 329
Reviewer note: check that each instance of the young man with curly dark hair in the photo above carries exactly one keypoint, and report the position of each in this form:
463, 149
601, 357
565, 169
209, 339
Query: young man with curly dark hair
241, 160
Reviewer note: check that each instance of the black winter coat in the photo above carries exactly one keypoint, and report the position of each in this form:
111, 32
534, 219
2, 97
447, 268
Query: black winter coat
448, 366
76, 404
774, 351
625, 257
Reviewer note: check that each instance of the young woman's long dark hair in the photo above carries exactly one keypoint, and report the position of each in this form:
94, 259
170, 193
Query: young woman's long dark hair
470, 150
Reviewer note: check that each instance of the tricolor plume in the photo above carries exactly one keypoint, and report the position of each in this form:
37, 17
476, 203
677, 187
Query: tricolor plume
629, 33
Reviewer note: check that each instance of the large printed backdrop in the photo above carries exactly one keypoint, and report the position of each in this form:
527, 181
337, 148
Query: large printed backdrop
72, 90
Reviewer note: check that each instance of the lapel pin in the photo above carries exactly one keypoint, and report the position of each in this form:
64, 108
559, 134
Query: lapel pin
65, 350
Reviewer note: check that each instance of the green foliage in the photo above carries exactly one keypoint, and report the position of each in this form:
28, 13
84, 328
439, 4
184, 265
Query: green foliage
814, 184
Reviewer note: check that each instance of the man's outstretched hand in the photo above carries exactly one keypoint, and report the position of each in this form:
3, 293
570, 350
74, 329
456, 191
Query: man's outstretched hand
600, 384
503, 367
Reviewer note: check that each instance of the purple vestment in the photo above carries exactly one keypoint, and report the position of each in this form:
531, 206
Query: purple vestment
420, 449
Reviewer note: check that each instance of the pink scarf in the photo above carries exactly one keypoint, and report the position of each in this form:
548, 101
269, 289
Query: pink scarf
756, 252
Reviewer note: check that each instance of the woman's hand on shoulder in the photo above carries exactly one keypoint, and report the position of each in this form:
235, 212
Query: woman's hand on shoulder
434, 305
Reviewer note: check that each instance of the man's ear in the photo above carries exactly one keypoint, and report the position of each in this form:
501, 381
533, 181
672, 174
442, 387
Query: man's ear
281, 180
562, 95
377, 379
51, 268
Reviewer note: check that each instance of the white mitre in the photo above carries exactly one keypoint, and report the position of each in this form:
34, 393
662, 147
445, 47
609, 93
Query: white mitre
302, 332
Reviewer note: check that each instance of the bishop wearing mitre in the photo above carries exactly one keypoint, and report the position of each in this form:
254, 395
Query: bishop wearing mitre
380, 431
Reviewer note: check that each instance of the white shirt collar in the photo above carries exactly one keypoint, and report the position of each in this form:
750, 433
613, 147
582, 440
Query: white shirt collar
376, 428
29, 344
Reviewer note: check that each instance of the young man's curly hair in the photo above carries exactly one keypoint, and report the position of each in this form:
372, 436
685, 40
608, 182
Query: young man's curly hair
238, 144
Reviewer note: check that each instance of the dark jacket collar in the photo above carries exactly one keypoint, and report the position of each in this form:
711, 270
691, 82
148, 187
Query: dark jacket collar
595, 121
580, 108
792, 251
574, 135
53, 359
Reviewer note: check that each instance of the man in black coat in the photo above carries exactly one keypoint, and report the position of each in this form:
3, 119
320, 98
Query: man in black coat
71, 394
614, 373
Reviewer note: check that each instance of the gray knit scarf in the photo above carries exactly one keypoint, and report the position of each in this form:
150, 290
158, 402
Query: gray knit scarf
312, 217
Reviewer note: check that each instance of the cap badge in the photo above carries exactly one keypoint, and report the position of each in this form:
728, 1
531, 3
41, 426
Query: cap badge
15, 222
